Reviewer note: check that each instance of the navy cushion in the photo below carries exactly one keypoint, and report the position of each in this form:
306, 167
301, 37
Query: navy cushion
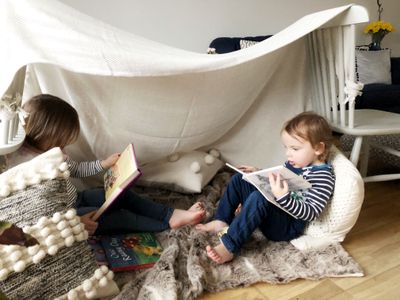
380, 96
395, 69
230, 44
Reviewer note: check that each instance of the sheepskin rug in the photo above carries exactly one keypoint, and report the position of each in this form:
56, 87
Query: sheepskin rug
185, 272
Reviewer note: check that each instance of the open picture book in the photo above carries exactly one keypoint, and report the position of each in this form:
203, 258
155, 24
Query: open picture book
261, 181
119, 177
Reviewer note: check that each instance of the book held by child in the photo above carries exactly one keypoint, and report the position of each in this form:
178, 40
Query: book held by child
260, 179
119, 177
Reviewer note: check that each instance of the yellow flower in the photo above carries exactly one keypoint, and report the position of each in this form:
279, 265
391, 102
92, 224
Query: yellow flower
377, 26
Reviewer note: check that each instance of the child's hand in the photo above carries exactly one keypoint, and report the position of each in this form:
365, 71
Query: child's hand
110, 161
279, 187
90, 225
247, 169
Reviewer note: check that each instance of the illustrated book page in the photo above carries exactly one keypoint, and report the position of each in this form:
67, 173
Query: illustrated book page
260, 179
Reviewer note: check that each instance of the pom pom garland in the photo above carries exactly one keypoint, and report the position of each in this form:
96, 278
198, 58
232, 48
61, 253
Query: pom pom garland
209, 159
195, 167
173, 157
89, 289
215, 153
33, 172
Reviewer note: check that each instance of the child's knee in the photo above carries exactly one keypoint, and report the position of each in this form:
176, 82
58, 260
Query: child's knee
236, 179
257, 197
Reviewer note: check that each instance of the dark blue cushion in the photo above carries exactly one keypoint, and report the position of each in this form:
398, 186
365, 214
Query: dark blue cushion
380, 96
395, 69
230, 44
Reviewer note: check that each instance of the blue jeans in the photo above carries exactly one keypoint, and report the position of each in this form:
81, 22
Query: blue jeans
128, 213
256, 212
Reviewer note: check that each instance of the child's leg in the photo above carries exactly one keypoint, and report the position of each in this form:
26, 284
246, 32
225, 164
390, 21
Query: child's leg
236, 191
254, 211
94, 198
89, 200
119, 221
133, 213
280, 226
143, 206
174, 218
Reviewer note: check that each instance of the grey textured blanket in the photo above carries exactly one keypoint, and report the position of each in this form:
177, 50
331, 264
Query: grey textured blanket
185, 272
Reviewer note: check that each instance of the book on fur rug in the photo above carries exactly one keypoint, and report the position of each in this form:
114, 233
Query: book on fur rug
124, 252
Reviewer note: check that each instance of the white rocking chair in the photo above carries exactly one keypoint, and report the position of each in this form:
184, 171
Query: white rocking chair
12, 133
332, 59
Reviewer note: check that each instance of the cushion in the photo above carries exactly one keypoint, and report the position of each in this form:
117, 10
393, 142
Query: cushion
229, 44
36, 197
247, 43
380, 96
342, 211
182, 172
373, 66
395, 69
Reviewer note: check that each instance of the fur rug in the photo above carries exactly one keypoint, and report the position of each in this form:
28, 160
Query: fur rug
185, 272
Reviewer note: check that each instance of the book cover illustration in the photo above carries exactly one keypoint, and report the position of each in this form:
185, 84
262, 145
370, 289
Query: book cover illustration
122, 173
119, 177
98, 250
125, 252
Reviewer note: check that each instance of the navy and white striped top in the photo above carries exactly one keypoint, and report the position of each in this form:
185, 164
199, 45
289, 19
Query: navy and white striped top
79, 170
308, 204
83, 169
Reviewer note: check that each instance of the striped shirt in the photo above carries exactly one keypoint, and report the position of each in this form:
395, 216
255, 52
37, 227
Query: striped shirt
83, 169
79, 170
308, 204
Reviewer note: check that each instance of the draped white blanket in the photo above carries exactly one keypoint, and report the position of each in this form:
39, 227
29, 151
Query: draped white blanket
164, 100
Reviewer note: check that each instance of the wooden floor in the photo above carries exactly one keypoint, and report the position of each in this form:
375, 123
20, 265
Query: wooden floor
374, 242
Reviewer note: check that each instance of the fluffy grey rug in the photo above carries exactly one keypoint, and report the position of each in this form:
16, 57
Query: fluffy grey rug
185, 272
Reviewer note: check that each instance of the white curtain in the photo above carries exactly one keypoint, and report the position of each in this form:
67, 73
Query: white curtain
164, 100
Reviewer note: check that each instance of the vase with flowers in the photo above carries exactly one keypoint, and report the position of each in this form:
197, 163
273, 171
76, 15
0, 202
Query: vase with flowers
378, 30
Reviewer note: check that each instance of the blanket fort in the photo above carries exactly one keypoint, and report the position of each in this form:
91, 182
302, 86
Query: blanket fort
127, 88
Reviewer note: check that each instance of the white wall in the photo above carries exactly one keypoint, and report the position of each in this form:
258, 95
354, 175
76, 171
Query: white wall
193, 24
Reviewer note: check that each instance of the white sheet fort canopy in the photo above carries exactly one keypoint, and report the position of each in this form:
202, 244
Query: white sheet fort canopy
165, 100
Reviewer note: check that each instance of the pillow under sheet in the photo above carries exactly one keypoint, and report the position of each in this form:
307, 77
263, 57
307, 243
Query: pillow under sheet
183, 172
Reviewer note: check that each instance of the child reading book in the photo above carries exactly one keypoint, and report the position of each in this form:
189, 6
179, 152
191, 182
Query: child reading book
52, 122
307, 139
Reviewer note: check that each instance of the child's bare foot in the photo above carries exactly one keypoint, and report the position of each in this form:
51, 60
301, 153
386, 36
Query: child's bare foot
213, 226
219, 254
181, 217
196, 207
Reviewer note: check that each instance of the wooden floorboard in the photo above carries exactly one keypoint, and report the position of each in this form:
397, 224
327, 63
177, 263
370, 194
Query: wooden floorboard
374, 242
